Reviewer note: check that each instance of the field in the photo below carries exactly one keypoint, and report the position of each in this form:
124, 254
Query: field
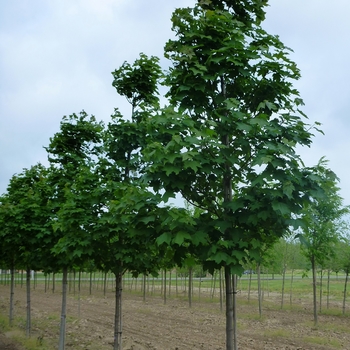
155, 325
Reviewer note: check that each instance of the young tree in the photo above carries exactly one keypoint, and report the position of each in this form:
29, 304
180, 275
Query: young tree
227, 141
72, 153
323, 216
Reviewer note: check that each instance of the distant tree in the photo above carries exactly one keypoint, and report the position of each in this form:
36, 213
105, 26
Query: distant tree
324, 220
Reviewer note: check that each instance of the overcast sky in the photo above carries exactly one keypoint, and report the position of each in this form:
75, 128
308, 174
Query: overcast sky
56, 58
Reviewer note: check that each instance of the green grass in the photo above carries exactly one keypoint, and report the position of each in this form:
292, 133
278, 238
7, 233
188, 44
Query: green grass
334, 343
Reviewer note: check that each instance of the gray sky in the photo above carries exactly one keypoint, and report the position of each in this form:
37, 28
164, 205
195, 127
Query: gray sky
56, 58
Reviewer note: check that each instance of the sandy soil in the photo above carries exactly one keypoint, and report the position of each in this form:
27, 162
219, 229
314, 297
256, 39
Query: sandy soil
153, 325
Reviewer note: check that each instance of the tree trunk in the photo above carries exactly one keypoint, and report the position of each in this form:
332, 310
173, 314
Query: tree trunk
105, 284
213, 284
190, 274
234, 305
61, 344
259, 290
328, 286
118, 325
229, 310
144, 288
221, 287
283, 283
249, 284
28, 321
169, 292
291, 288
321, 281
345, 285
314, 289
164, 286
176, 283
12, 292
53, 282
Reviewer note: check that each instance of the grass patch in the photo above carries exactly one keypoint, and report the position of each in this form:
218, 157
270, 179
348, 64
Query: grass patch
33, 343
334, 343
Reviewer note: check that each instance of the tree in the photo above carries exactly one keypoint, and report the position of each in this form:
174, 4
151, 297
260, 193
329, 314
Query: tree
72, 153
227, 141
323, 217
128, 220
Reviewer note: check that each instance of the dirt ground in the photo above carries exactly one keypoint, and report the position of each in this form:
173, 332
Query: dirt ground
153, 325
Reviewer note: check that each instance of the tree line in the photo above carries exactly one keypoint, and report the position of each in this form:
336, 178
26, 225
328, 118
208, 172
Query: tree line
225, 142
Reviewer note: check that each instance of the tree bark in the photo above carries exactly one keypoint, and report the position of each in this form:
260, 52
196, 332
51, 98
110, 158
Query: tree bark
314, 289
283, 283
190, 274
221, 288
28, 321
345, 285
259, 290
61, 344
249, 284
229, 310
144, 288
321, 282
12, 292
53, 282
234, 306
328, 286
164, 286
118, 325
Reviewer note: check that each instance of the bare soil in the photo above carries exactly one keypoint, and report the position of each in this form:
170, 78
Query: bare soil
153, 325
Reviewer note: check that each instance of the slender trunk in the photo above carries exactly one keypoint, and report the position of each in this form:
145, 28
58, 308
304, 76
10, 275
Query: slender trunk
321, 281
229, 310
291, 288
105, 284
35, 279
234, 306
169, 292
144, 287
221, 287
283, 282
213, 284
90, 286
118, 325
28, 321
74, 277
161, 283
61, 344
314, 286
328, 286
345, 285
176, 284
12, 292
164, 286
259, 290
249, 285
79, 281
53, 282
190, 274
